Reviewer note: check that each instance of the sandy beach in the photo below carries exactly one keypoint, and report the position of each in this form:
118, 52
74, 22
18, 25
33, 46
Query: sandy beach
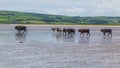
43, 49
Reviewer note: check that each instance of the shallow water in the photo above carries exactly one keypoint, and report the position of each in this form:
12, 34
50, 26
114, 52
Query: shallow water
43, 34
43, 48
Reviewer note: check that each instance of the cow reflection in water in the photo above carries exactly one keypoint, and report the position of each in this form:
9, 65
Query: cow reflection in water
106, 40
83, 39
65, 38
20, 37
69, 39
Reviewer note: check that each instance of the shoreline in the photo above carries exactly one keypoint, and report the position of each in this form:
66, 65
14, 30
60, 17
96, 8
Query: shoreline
59, 25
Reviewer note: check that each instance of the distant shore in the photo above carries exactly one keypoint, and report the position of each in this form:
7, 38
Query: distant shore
60, 25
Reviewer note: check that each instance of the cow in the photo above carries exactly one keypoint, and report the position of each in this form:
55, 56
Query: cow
68, 31
64, 31
71, 31
82, 31
104, 31
21, 28
56, 29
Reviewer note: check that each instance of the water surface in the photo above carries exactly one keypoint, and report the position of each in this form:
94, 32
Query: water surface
43, 48
44, 34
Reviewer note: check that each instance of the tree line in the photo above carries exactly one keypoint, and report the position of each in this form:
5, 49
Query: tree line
15, 17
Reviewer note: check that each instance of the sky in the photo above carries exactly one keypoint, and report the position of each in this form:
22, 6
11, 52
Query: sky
64, 7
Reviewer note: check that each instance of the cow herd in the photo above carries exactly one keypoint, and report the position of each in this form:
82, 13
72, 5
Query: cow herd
68, 31
71, 31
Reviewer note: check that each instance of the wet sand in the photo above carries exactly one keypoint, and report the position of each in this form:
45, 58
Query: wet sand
62, 56
94, 52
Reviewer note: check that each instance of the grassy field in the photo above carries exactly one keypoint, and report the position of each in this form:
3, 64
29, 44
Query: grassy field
15, 17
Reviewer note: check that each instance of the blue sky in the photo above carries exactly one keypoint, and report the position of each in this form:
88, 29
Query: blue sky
64, 7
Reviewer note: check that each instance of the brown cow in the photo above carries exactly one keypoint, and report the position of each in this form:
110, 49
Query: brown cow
82, 31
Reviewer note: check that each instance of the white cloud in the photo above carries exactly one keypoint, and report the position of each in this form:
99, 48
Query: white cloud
65, 7
107, 7
74, 11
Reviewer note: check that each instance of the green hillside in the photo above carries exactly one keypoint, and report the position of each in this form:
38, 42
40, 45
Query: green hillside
14, 17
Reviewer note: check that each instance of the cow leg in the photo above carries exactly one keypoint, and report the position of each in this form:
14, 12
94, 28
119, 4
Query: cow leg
80, 33
66, 33
25, 31
110, 34
104, 34
18, 31
73, 33
63, 33
83, 34
88, 34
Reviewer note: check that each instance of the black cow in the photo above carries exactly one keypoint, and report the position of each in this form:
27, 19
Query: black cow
21, 28
68, 31
71, 31
104, 31
64, 31
82, 31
